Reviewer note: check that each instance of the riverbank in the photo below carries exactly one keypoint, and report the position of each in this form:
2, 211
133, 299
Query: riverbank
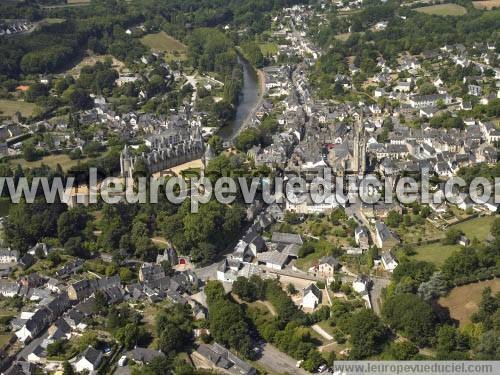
251, 97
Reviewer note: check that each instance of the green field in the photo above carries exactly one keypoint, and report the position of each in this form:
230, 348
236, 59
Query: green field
268, 48
4, 339
479, 227
50, 161
435, 253
443, 10
161, 42
9, 107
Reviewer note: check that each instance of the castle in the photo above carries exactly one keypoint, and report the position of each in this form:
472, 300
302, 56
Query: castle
171, 147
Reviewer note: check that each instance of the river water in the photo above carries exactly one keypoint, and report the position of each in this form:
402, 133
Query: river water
249, 97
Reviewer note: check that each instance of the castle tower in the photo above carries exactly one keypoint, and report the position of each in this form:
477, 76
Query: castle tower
125, 163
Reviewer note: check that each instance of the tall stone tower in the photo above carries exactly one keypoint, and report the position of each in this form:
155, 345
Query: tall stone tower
359, 148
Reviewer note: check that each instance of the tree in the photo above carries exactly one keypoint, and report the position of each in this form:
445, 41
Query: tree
368, 333
131, 335
36, 91
55, 348
412, 316
337, 216
413, 273
290, 288
159, 365
402, 351
67, 368
71, 224
228, 325
216, 143
393, 219
174, 328
27, 223
451, 343
30, 153
437, 286
244, 289
74, 246
313, 361
77, 98
452, 236
246, 139
336, 284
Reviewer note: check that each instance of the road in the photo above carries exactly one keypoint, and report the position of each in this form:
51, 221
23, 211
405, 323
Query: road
379, 283
279, 362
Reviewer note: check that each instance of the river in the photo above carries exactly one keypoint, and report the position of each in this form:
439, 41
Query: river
249, 97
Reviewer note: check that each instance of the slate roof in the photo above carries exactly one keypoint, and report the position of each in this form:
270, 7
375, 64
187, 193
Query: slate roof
287, 238
313, 288
92, 355
144, 355
273, 257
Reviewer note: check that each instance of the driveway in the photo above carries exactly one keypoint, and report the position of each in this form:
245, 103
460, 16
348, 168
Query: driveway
379, 283
279, 362
322, 332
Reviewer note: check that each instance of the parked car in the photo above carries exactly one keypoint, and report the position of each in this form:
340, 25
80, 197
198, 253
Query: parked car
122, 361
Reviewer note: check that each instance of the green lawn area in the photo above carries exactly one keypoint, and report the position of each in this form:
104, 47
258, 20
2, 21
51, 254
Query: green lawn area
4, 206
479, 227
268, 48
49, 160
4, 339
161, 42
325, 324
435, 253
52, 21
9, 107
443, 10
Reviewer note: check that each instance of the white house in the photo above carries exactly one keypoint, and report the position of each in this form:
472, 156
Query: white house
89, 360
361, 285
389, 262
311, 296
9, 256
9, 288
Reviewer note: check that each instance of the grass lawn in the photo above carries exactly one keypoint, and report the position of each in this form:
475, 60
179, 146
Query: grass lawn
4, 339
52, 21
443, 10
4, 206
50, 160
435, 253
464, 300
268, 48
163, 42
479, 227
487, 4
325, 324
9, 107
